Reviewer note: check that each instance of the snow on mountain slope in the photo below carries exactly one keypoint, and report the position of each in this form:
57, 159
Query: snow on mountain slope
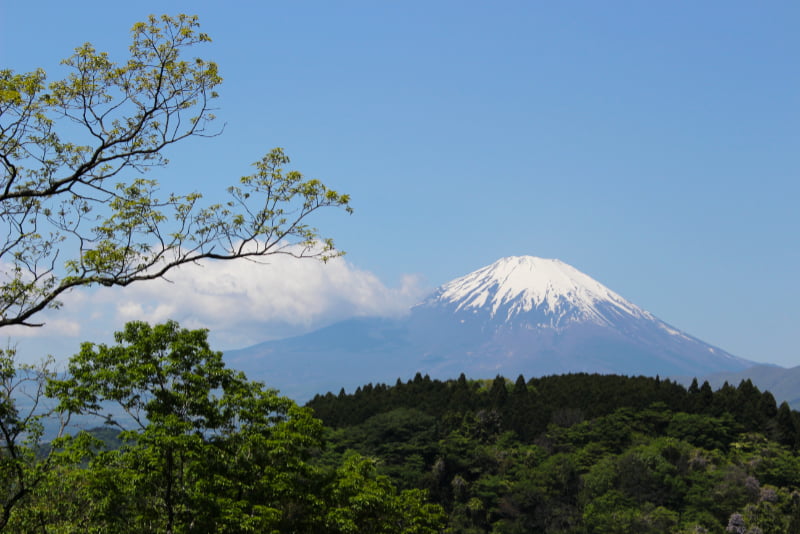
520, 284
529, 308
519, 315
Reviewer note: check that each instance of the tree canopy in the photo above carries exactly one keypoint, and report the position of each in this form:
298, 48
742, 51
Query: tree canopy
203, 450
581, 453
80, 209
78, 206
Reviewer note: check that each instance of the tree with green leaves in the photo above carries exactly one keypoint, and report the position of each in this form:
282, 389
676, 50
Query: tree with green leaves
205, 449
81, 210
74, 195
359, 500
21, 429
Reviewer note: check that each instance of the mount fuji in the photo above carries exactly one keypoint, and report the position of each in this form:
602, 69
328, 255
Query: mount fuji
519, 315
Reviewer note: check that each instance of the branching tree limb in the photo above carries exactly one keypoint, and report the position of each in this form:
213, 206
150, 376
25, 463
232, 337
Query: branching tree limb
77, 207
23, 461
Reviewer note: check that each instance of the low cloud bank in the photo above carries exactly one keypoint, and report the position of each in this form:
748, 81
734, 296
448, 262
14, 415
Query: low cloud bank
240, 302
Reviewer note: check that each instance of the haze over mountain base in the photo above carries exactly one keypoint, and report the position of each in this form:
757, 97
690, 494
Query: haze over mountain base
520, 315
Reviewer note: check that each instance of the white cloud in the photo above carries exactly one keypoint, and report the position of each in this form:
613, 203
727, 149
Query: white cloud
240, 302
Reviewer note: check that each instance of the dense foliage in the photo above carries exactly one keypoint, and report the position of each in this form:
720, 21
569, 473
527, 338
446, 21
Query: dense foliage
580, 453
202, 450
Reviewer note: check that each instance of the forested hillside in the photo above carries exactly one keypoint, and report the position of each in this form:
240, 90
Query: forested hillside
214, 452
580, 453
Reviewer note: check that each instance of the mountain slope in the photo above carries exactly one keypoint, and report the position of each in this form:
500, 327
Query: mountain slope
533, 313
783, 383
520, 315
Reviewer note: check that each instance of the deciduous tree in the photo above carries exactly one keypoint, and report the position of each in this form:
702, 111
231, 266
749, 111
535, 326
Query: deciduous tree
79, 209
76, 203
206, 449
21, 429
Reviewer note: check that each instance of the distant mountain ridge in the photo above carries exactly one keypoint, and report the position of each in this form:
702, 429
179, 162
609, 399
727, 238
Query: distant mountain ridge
519, 315
783, 383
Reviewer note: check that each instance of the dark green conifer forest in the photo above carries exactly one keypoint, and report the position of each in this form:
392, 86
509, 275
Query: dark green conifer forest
580, 453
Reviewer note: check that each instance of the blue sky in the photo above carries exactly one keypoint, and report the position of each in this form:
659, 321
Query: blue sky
653, 146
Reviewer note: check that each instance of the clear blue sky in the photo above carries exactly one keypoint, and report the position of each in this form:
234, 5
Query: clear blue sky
654, 146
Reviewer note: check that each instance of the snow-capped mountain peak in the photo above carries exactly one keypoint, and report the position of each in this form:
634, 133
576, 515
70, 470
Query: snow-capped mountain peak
521, 284
520, 315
